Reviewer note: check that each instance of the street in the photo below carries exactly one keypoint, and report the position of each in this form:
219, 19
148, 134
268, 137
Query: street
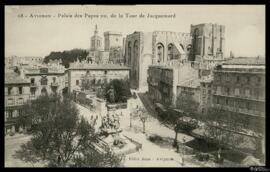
152, 154
13, 144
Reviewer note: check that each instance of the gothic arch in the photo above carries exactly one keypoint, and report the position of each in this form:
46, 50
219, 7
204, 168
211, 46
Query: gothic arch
189, 46
135, 55
160, 52
44, 91
170, 51
129, 53
195, 42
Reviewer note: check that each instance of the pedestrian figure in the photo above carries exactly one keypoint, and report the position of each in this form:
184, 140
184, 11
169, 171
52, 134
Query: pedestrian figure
177, 147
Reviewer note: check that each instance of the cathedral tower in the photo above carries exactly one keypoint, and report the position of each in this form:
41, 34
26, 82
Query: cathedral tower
96, 41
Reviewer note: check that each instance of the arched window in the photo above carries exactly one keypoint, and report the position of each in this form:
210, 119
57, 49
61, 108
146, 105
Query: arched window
189, 47
170, 51
196, 46
44, 91
135, 51
160, 52
129, 53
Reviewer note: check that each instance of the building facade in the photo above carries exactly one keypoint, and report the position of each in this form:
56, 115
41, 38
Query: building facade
113, 43
17, 93
239, 88
14, 61
167, 46
208, 40
45, 80
163, 81
146, 48
205, 93
112, 40
190, 88
96, 74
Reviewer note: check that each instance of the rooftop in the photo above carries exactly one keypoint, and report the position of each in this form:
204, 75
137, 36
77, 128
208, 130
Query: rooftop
14, 78
99, 67
112, 33
192, 83
245, 61
36, 70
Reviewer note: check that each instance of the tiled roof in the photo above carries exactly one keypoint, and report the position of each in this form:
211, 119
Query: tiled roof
14, 78
245, 61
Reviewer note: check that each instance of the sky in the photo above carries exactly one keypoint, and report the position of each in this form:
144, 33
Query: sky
30, 36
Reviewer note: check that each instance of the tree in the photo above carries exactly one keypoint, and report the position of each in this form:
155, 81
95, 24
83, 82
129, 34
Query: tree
121, 91
86, 84
67, 56
95, 159
58, 132
142, 114
176, 128
223, 127
187, 103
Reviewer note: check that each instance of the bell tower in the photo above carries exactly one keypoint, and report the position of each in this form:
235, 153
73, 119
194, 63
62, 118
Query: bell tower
96, 41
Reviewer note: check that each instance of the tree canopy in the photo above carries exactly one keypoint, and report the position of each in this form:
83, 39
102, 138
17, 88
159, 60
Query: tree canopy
117, 91
187, 103
59, 133
67, 56
221, 127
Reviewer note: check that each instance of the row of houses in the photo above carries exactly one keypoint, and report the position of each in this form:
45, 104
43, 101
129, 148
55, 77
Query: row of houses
23, 84
235, 85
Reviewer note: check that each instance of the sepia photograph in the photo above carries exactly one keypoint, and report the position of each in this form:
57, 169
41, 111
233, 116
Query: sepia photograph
134, 86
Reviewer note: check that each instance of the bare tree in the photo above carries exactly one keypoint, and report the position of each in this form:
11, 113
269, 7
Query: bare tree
142, 114
223, 127
187, 104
